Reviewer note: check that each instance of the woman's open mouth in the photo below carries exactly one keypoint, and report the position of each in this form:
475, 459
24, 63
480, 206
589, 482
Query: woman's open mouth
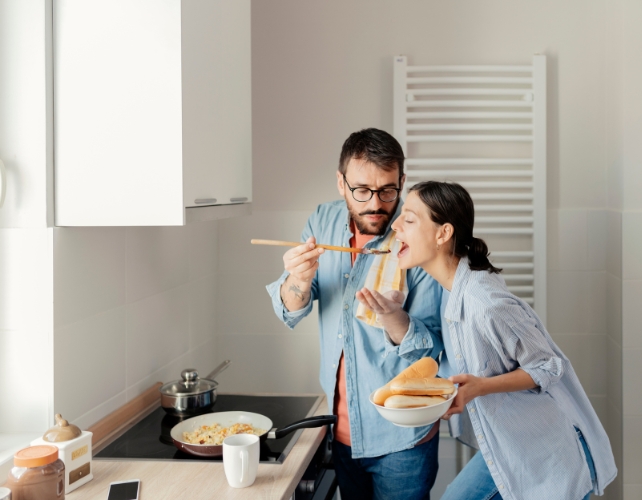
403, 250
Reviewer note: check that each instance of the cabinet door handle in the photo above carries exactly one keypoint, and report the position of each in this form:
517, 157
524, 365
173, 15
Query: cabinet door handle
238, 200
3, 182
205, 201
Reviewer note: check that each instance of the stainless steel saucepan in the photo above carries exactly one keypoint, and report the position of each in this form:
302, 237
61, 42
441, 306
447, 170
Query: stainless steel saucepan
192, 395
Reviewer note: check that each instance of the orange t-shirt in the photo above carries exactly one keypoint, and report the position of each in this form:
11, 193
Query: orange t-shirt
342, 427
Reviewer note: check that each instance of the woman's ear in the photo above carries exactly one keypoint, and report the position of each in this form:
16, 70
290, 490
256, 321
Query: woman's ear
445, 234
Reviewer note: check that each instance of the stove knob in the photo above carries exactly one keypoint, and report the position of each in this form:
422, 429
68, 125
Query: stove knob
306, 486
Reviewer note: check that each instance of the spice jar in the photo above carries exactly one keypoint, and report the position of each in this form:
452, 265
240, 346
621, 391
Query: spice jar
74, 449
38, 474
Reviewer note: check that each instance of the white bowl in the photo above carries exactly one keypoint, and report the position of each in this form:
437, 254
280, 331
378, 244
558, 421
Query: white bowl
415, 417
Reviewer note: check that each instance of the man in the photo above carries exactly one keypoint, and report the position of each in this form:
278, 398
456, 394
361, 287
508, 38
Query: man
373, 458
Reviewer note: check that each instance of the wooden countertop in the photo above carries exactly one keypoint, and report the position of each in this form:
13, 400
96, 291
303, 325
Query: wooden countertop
200, 481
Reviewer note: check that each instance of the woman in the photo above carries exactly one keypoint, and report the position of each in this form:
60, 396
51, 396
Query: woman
518, 394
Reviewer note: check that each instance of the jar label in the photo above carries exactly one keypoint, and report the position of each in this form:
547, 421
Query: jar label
79, 452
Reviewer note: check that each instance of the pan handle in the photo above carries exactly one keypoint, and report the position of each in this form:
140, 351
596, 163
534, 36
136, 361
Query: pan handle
306, 423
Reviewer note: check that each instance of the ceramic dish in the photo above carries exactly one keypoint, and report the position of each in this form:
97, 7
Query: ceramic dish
415, 417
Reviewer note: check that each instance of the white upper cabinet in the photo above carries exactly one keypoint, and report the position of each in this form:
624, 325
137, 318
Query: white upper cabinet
152, 111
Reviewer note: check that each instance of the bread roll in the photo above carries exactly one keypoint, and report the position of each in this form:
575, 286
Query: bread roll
422, 386
425, 367
403, 401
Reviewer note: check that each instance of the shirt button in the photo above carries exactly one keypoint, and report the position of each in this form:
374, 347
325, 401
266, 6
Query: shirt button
346, 307
346, 276
490, 462
480, 437
334, 366
340, 335
458, 356
448, 321
501, 486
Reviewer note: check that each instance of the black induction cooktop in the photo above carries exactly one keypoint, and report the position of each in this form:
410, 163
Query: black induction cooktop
150, 438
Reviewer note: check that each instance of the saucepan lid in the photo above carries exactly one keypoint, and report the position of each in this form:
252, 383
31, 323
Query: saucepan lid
190, 385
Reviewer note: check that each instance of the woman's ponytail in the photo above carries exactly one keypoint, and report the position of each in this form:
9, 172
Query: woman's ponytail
478, 256
449, 203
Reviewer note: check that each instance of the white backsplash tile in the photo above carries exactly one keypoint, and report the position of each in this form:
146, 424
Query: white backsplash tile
631, 377
157, 332
89, 272
157, 260
203, 249
576, 302
614, 372
203, 359
632, 245
632, 314
632, 491
614, 243
614, 308
245, 307
270, 363
202, 310
586, 353
90, 362
238, 254
632, 451
573, 240
597, 221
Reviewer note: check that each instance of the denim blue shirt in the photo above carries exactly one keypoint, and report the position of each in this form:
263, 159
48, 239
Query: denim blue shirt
527, 438
371, 360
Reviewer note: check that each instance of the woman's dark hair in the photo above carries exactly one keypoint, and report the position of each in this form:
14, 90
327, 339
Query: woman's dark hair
450, 203
374, 146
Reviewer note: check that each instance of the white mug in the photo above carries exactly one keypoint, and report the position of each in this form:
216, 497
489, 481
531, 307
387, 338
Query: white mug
241, 459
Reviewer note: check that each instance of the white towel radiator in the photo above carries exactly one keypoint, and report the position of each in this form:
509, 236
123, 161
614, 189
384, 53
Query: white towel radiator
485, 128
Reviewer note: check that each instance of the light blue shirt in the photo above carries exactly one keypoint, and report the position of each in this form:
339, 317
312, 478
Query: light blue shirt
371, 360
527, 438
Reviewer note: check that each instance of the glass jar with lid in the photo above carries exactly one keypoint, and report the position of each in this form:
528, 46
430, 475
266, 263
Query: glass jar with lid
38, 474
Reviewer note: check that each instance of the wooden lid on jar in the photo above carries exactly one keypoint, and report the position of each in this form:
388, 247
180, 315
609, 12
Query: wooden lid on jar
35, 456
62, 431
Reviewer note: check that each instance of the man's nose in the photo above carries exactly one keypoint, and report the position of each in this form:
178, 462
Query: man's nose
374, 203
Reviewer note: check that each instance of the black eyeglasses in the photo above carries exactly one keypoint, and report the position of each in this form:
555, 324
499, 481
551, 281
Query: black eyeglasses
363, 194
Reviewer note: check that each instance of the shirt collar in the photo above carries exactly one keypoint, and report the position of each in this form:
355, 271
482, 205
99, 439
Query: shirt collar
376, 238
455, 304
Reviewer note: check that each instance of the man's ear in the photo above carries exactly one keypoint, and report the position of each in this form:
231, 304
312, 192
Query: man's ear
402, 181
340, 184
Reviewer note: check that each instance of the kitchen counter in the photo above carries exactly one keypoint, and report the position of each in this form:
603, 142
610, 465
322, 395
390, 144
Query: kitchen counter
205, 480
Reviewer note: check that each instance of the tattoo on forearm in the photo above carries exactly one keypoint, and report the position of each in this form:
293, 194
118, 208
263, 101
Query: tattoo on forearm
298, 293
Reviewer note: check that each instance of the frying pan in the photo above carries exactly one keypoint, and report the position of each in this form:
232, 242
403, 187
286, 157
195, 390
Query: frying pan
227, 418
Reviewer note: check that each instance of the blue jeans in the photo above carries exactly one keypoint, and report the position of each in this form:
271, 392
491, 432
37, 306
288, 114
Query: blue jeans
403, 475
474, 482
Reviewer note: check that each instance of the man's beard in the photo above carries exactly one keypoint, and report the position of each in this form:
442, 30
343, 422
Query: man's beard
369, 228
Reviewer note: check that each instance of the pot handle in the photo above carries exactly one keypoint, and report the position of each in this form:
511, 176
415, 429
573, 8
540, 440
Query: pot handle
306, 423
219, 369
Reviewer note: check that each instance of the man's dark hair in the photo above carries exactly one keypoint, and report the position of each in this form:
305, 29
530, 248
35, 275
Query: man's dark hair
374, 146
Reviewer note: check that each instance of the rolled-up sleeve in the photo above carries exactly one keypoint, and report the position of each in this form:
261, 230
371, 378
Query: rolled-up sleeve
290, 318
527, 345
423, 337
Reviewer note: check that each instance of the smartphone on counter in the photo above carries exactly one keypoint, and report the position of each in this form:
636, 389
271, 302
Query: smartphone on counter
124, 490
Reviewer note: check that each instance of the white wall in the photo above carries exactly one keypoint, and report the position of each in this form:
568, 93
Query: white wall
631, 205
133, 306
322, 70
